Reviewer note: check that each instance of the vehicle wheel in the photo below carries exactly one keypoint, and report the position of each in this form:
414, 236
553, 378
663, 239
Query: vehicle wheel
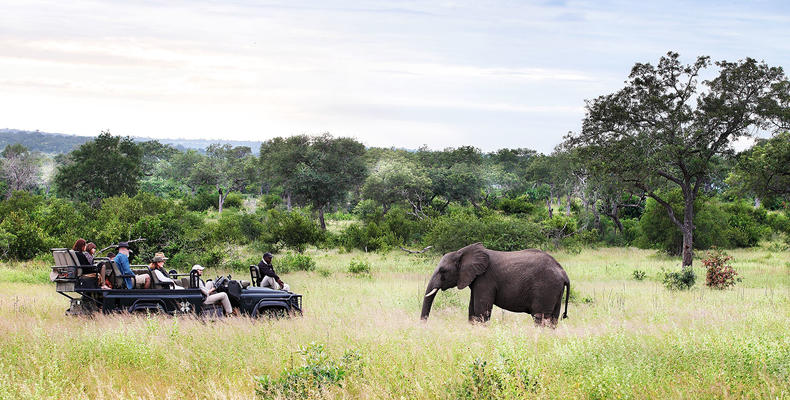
80, 307
271, 312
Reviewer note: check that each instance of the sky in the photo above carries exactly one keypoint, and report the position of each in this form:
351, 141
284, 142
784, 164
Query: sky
490, 74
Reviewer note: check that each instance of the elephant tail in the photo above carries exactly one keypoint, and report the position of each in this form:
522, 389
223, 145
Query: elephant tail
567, 295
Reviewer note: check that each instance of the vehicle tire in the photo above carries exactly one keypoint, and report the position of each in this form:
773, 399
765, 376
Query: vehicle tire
270, 312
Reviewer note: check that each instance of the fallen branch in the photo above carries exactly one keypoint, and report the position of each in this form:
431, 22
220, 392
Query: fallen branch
414, 251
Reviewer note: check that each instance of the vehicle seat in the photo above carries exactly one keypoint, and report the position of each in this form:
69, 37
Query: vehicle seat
185, 283
156, 283
116, 277
255, 275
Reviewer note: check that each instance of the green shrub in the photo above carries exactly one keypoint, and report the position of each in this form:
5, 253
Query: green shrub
496, 232
639, 275
294, 229
295, 262
207, 198
269, 201
719, 275
359, 267
519, 205
505, 379
682, 280
317, 372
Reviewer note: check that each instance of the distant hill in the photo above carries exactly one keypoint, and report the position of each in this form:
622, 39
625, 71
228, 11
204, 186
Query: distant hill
47, 142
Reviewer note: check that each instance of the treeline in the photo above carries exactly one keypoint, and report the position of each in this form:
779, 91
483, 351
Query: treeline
652, 167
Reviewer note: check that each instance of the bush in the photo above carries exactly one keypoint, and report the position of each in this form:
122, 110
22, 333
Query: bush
317, 372
496, 232
359, 267
519, 205
294, 229
682, 280
639, 275
295, 262
719, 274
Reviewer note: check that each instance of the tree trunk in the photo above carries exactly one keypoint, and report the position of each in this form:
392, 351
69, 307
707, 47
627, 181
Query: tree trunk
756, 202
597, 216
321, 217
221, 200
688, 231
548, 205
288, 200
568, 206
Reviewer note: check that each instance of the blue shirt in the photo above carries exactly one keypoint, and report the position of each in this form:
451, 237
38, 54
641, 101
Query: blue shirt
123, 264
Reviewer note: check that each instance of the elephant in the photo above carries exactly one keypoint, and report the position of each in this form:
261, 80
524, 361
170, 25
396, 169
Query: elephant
529, 281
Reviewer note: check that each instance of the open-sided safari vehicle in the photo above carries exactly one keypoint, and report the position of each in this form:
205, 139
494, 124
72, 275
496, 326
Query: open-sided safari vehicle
79, 283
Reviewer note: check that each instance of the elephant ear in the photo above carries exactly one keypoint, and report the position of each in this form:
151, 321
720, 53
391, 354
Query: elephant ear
473, 262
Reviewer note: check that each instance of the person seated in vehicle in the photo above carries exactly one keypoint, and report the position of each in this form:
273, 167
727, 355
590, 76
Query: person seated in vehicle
79, 250
212, 297
122, 259
267, 276
158, 269
90, 252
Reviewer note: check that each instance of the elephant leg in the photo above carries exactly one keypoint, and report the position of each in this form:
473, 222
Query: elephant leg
538, 318
472, 307
482, 309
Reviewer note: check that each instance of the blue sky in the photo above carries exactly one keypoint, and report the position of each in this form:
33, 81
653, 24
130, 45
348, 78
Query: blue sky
489, 74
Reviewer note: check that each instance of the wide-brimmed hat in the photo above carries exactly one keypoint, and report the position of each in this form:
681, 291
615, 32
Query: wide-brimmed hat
123, 245
159, 257
197, 267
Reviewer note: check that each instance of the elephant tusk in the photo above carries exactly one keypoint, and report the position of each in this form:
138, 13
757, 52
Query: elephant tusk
433, 292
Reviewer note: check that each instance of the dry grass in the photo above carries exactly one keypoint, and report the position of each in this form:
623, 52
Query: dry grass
634, 340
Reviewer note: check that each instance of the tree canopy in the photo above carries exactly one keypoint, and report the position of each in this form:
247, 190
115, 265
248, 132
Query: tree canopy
665, 127
104, 167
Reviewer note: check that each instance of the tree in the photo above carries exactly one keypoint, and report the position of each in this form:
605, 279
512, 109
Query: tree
330, 169
279, 160
664, 128
396, 179
19, 168
104, 167
228, 168
764, 170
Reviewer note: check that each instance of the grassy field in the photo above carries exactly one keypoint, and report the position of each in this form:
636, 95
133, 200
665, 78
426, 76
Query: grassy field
360, 337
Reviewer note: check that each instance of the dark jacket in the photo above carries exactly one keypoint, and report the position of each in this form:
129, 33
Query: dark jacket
267, 270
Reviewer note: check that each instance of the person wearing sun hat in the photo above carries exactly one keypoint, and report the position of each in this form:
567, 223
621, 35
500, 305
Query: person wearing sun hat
211, 294
158, 269
142, 281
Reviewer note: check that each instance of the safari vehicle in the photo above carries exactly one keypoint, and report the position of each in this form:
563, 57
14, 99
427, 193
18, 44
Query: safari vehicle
78, 283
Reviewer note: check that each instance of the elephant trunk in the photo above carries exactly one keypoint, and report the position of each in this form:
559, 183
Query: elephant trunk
427, 301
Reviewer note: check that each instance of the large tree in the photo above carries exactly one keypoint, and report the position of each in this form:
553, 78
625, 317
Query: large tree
228, 168
396, 179
104, 167
665, 127
19, 168
316, 170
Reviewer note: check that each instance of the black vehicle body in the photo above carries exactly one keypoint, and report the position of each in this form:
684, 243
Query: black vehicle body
78, 283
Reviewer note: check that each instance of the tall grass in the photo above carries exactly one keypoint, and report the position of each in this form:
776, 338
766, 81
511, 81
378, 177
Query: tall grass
632, 339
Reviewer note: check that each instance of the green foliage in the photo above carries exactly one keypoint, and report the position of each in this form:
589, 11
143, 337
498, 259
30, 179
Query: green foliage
682, 280
519, 205
294, 229
359, 266
496, 232
502, 380
639, 275
726, 225
719, 274
295, 262
318, 371
763, 169
207, 198
104, 167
